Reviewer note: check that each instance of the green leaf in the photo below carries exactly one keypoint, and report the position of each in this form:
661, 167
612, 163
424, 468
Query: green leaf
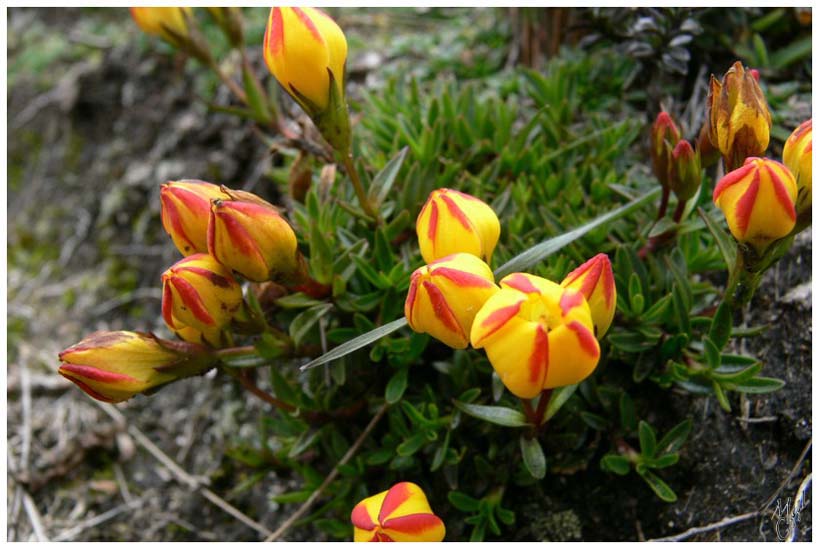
503, 416
594, 421
396, 386
292, 497
721, 327
723, 400
664, 461
559, 397
302, 323
660, 487
533, 255
463, 502
441, 453
303, 443
724, 241
797, 50
249, 361
736, 375
647, 439
384, 180
636, 300
298, 300
711, 353
761, 384
681, 310
357, 343
615, 463
674, 438
629, 421
409, 446
255, 96
533, 457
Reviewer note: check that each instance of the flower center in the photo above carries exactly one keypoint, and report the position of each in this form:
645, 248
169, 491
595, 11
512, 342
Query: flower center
538, 310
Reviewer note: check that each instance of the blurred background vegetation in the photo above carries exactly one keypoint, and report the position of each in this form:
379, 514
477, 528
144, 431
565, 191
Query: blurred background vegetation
545, 112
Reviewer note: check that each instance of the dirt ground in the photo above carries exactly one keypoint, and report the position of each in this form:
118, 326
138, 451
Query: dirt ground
86, 252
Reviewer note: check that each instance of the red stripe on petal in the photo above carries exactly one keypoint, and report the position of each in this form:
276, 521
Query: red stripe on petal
442, 309
498, 319
191, 299
591, 271
608, 282
456, 212
167, 305
519, 281
89, 390
274, 34
461, 278
781, 194
464, 195
410, 302
308, 23
585, 338
361, 519
570, 299
172, 220
95, 373
539, 360
239, 236
413, 524
732, 178
431, 229
215, 278
743, 209
380, 537
396, 496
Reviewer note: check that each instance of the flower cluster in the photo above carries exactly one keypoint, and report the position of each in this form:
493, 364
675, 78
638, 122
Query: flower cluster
537, 334
223, 234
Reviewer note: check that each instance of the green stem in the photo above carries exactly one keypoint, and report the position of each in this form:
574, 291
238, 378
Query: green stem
364, 202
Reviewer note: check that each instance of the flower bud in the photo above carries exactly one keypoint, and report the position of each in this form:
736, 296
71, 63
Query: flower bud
185, 210
797, 157
306, 52
594, 280
451, 221
537, 335
707, 152
665, 134
170, 24
401, 514
739, 118
253, 240
201, 293
445, 296
115, 366
758, 201
684, 173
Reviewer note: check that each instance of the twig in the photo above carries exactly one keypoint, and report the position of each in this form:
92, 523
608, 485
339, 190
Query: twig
179, 473
786, 481
70, 534
757, 420
330, 477
706, 528
798, 505
34, 517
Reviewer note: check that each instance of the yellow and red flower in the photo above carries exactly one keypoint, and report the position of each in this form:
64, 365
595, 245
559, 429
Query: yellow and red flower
758, 201
401, 514
451, 221
254, 240
201, 293
445, 296
115, 366
185, 210
797, 157
537, 335
306, 52
594, 280
739, 117
170, 24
